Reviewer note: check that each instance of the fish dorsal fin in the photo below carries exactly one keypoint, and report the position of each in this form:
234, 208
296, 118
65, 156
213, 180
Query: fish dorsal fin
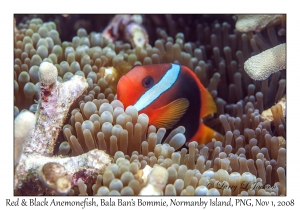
208, 104
171, 113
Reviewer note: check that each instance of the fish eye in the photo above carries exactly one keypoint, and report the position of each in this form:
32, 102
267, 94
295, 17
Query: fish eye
148, 82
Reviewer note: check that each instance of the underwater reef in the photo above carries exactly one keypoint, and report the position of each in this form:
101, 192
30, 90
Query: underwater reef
72, 136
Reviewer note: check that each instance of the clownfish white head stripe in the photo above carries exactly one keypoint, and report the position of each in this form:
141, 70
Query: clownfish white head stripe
160, 87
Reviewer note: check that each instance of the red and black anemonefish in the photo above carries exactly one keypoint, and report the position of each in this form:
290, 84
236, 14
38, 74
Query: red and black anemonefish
171, 95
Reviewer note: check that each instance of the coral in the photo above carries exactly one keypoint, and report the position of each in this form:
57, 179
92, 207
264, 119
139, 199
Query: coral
281, 105
255, 22
54, 176
129, 28
55, 101
262, 65
24, 123
156, 181
100, 147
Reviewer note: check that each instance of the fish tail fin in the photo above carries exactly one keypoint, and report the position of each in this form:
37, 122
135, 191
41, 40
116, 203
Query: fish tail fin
205, 135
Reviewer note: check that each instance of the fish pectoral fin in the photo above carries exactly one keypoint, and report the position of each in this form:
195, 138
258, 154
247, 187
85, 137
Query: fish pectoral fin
171, 113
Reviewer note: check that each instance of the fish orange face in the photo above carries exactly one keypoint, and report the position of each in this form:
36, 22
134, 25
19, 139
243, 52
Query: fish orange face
170, 94
137, 81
